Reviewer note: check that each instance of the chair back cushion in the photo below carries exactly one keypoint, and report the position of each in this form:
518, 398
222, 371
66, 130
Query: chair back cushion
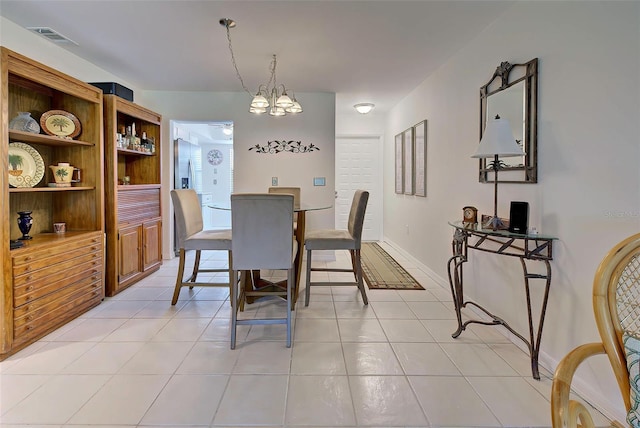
356, 215
188, 213
632, 351
295, 191
262, 226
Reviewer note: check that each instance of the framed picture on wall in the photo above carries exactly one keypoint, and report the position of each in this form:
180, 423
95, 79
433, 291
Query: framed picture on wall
398, 159
420, 147
407, 140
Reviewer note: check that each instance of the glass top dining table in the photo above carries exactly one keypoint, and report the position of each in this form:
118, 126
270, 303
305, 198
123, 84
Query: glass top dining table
299, 234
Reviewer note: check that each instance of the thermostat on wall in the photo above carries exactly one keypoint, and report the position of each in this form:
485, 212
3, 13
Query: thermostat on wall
318, 181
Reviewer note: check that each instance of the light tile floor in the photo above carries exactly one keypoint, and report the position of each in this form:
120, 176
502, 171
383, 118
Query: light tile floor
137, 361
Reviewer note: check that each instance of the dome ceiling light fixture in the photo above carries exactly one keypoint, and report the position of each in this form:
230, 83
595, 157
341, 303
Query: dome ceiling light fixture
271, 97
364, 108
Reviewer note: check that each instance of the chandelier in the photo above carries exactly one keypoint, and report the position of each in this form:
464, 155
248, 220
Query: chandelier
271, 97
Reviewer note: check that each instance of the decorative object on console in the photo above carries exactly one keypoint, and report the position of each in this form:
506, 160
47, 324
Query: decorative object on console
24, 224
470, 216
24, 122
364, 108
497, 141
278, 146
60, 123
270, 96
519, 217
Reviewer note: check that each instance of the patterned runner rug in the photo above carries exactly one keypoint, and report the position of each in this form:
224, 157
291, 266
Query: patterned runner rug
380, 270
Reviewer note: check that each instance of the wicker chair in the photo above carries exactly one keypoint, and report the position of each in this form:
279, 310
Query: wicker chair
616, 305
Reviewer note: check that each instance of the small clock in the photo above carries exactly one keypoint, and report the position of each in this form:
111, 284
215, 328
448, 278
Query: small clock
469, 215
214, 157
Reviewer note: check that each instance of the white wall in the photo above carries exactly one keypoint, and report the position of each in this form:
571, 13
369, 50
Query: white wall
588, 193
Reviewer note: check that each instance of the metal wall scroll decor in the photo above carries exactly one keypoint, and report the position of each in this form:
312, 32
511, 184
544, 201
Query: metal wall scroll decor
279, 146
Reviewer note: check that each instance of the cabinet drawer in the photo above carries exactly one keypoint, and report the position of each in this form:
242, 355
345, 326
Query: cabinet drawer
51, 262
56, 313
33, 290
39, 307
61, 270
56, 252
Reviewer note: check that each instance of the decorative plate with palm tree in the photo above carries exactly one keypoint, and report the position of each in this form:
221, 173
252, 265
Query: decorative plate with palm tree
26, 167
60, 123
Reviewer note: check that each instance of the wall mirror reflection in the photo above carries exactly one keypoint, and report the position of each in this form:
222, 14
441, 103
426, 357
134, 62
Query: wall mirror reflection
511, 93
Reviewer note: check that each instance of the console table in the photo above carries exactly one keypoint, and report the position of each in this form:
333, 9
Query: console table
502, 242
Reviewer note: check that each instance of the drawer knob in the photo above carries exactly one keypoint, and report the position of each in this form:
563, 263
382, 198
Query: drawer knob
29, 288
28, 298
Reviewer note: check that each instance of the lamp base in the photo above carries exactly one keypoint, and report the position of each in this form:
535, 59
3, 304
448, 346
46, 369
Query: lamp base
495, 223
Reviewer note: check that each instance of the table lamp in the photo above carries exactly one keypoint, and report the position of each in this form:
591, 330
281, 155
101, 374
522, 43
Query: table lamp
497, 141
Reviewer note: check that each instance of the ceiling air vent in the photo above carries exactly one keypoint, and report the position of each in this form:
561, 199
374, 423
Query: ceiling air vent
50, 34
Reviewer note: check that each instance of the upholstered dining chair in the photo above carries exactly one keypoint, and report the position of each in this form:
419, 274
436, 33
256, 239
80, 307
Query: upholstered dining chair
191, 236
616, 308
262, 225
334, 239
295, 191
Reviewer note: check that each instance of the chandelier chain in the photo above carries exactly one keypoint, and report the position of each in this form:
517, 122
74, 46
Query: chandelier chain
233, 61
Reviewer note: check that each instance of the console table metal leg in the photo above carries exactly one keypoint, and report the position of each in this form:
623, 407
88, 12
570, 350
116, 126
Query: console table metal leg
536, 337
454, 267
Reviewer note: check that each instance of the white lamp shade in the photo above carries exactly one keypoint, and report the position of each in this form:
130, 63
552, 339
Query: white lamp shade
295, 108
364, 108
284, 101
259, 101
498, 140
257, 110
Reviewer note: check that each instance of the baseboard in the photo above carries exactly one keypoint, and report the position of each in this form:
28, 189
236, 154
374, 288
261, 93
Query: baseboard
580, 387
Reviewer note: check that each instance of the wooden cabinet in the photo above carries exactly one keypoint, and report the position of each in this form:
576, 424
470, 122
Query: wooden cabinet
133, 211
54, 277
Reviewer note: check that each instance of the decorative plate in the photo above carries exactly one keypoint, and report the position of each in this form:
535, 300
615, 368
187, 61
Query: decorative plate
60, 123
214, 157
26, 167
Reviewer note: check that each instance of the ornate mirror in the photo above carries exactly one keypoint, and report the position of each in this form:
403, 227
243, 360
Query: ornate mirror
512, 94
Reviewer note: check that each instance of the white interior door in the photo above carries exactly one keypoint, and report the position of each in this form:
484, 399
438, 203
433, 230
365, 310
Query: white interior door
359, 166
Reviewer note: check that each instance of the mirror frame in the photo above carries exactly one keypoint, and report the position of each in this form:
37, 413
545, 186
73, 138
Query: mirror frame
528, 73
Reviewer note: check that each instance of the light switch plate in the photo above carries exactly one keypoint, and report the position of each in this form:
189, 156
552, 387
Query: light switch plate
274, 181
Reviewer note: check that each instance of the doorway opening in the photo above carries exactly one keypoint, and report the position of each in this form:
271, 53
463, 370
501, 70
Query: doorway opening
203, 161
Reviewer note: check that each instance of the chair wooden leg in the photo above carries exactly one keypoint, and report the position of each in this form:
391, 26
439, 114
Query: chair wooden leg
176, 291
354, 264
307, 291
196, 268
358, 269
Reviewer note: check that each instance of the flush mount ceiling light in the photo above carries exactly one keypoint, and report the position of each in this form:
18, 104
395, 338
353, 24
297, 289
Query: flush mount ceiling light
227, 129
364, 108
271, 97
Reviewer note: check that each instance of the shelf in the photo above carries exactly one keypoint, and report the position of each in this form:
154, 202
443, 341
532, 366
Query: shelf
48, 189
29, 137
134, 152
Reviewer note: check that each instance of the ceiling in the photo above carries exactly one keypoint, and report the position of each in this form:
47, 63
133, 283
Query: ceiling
364, 51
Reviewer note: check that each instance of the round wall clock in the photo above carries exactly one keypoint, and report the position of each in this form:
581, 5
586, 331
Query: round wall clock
214, 157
